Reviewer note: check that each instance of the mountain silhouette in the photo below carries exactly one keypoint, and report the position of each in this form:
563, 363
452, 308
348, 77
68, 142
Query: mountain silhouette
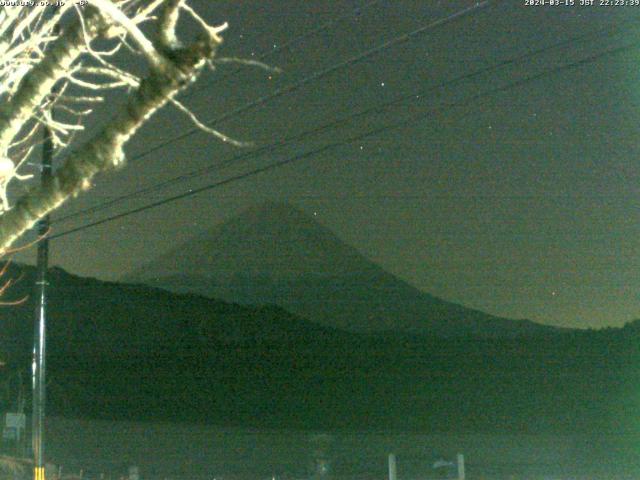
276, 254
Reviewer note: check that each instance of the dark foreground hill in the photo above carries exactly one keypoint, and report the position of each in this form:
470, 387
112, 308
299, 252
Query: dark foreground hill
133, 352
276, 254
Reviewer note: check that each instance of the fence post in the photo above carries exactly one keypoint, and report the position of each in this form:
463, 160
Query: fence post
134, 473
393, 474
460, 466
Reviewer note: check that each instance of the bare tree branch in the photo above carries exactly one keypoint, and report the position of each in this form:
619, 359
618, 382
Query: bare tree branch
39, 81
44, 49
105, 150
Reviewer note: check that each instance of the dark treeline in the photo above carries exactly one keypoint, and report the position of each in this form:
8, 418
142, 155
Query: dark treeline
131, 352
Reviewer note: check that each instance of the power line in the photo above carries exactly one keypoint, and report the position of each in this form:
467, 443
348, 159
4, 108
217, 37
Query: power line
320, 74
285, 142
305, 155
315, 76
290, 45
408, 120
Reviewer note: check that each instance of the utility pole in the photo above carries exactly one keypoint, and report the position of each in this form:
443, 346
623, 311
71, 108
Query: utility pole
40, 324
39, 343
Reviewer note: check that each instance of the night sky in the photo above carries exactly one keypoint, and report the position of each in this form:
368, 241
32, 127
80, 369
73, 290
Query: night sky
522, 203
